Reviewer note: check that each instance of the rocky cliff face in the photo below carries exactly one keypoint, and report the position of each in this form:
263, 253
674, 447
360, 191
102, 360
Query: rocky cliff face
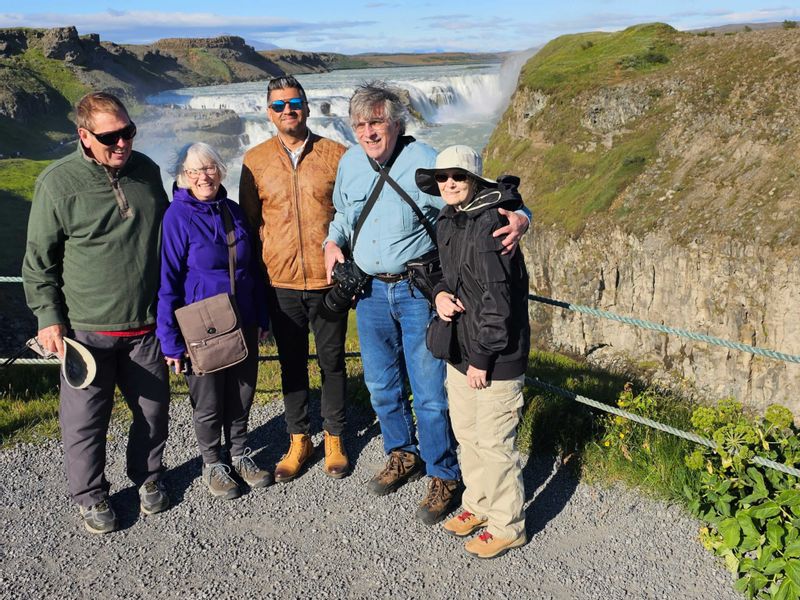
295, 62
132, 72
662, 172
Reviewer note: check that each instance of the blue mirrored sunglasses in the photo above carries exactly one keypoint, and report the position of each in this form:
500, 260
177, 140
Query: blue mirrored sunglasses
294, 104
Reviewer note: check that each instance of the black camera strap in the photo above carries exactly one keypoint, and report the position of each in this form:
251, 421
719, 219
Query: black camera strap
376, 190
385, 177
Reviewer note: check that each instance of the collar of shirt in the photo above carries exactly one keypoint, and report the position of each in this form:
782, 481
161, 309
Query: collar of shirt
294, 155
114, 173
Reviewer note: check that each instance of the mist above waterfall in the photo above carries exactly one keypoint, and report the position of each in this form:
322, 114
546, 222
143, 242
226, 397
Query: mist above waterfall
457, 105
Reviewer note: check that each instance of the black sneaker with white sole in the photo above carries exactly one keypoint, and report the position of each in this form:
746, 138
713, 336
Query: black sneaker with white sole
153, 497
99, 518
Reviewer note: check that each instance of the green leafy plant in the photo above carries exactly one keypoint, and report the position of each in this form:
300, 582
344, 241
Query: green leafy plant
753, 513
647, 458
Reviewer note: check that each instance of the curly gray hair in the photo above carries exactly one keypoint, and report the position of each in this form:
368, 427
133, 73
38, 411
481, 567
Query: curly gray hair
371, 95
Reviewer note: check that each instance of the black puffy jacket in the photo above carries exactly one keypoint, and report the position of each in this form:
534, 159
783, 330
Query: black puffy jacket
493, 332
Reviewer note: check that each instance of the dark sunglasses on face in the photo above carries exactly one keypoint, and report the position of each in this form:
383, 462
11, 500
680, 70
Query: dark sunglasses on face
294, 104
443, 177
112, 137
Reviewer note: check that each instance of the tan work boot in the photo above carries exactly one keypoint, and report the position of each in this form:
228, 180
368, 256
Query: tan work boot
463, 524
300, 450
486, 545
336, 463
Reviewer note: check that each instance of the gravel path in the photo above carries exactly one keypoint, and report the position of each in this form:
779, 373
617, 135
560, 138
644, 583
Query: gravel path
320, 538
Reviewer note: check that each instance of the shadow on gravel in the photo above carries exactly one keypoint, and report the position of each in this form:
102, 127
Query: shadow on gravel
362, 427
126, 505
273, 439
546, 493
268, 441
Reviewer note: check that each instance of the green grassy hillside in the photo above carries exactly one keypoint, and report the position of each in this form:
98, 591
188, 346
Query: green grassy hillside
650, 127
57, 88
17, 177
573, 179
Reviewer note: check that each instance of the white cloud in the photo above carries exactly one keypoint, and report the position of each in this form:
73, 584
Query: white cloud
768, 14
156, 24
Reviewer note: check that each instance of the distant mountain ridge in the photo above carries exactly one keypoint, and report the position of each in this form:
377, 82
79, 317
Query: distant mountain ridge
44, 71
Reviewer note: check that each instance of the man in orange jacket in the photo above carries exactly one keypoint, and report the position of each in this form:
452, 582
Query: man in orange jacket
285, 190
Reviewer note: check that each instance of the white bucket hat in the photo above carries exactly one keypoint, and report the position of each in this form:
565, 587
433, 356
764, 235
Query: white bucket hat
77, 365
459, 157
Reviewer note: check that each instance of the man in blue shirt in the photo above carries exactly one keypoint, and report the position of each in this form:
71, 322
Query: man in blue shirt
392, 316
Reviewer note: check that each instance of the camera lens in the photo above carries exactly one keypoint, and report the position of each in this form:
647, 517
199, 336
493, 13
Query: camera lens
350, 281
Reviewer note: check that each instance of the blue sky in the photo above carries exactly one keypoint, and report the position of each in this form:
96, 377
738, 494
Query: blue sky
353, 26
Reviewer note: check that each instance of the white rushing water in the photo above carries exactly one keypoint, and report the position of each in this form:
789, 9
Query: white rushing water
459, 105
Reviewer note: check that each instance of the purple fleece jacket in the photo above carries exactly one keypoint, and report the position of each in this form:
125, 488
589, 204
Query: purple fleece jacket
194, 264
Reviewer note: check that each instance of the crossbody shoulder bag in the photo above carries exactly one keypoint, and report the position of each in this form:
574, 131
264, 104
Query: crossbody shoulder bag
211, 328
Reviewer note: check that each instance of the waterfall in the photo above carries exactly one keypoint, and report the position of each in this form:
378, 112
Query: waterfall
457, 105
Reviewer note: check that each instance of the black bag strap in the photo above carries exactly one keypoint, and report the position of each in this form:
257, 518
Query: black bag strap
376, 189
228, 222
384, 176
362, 218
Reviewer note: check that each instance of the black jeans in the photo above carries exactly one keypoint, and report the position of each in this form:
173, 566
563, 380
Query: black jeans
291, 313
221, 403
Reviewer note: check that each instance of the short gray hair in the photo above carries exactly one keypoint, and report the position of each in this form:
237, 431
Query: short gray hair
369, 96
200, 150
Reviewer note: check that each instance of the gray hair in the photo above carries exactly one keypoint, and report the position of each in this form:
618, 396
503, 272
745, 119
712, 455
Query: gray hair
284, 83
202, 151
371, 95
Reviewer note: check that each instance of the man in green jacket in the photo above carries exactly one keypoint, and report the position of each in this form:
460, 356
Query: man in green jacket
91, 272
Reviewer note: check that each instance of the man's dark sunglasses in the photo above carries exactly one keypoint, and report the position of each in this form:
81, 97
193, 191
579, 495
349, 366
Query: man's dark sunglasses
294, 104
112, 137
442, 177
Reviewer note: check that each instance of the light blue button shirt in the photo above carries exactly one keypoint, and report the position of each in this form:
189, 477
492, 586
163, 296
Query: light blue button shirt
392, 234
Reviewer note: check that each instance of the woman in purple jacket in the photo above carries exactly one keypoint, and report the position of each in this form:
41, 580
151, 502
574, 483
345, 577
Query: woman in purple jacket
194, 266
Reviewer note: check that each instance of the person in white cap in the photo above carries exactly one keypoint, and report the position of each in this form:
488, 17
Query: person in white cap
91, 271
482, 302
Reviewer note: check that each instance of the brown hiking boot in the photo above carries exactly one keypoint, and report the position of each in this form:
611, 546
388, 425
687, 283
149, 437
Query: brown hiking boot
300, 450
401, 467
336, 463
442, 495
219, 481
487, 546
249, 471
463, 524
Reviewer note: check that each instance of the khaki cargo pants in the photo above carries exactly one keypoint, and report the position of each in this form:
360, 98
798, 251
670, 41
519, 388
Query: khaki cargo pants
485, 425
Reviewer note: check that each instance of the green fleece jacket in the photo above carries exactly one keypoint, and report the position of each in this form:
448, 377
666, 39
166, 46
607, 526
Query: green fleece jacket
93, 251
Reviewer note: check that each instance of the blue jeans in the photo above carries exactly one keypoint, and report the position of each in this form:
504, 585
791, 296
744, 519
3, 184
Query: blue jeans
391, 328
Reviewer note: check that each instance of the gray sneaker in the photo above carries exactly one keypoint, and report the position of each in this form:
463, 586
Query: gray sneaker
99, 518
219, 481
153, 497
249, 471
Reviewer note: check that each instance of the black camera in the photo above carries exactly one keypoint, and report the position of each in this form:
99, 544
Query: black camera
350, 282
